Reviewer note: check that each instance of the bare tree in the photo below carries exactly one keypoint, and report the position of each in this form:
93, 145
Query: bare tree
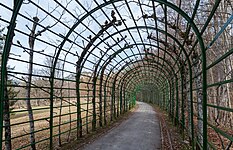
31, 43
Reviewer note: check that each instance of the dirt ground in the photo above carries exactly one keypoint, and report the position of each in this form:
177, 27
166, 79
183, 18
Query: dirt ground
172, 138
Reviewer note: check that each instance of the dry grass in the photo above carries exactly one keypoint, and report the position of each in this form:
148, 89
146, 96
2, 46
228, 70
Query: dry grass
19, 127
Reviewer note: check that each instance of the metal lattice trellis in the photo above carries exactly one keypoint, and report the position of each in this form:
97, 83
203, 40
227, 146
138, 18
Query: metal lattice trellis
70, 67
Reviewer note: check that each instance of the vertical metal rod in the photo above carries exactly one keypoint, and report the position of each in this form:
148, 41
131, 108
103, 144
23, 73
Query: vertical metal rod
6, 51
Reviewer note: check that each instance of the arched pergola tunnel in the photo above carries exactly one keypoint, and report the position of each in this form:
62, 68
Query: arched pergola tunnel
71, 67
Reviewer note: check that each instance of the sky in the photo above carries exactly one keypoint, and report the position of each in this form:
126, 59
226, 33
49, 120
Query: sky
30, 10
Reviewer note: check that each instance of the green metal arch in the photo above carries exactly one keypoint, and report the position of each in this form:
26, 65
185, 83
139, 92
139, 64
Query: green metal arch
109, 75
118, 73
137, 80
139, 54
129, 75
10, 31
148, 27
128, 83
123, 69
204, 89
5, 55
139, 60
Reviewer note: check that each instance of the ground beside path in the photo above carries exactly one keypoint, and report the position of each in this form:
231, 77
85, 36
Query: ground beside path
140, 131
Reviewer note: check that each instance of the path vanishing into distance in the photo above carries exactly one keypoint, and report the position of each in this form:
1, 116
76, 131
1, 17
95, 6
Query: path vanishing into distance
141, 131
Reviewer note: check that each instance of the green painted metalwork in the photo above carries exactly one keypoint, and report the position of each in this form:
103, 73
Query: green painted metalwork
102, 55
5, 55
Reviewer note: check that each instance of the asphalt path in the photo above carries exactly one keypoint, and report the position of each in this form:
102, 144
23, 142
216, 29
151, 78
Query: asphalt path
141, 131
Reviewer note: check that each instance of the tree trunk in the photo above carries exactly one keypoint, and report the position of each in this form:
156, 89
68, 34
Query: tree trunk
31, 43
189, 110
70, 125
60, 113
198, 82
6, 118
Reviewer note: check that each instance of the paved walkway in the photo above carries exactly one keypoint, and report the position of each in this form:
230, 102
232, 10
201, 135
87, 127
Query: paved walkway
140, 132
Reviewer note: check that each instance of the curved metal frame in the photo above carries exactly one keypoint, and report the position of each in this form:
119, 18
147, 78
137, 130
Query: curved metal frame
167, 76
